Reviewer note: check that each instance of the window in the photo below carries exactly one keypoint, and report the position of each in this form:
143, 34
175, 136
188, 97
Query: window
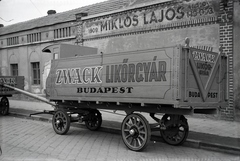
35, 73
12, 41
34, 37
14, 69
62, 32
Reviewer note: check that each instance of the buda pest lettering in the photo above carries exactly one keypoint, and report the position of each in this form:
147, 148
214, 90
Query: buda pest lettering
152, 71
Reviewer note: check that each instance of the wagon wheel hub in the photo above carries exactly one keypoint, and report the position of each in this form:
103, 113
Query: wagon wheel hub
133, 132
58, 122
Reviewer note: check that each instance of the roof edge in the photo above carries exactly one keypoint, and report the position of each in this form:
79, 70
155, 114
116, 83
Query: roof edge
125, 9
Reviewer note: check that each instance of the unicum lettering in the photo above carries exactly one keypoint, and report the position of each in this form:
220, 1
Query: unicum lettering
140, 72
87, 75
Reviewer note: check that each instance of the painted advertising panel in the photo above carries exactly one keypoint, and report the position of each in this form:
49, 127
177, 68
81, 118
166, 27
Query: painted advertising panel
205, 69
154, 17
140, 74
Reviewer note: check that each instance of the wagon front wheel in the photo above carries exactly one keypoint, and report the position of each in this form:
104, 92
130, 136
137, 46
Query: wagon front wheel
61, 122
5, 106
94, 120
136, 132
177, 129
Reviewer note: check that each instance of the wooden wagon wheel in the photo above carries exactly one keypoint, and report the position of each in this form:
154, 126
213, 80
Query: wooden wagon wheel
61, 122
176, 131
94, 120
136, 132
5, 106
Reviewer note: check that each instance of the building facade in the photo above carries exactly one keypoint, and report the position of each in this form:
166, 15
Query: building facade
126, 25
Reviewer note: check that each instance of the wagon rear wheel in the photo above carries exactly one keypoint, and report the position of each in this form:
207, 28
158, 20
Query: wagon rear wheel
94, 120
176, 129
5, 106
136, 132
61, 122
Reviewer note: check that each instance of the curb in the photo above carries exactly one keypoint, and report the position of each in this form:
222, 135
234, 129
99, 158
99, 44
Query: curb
188, 143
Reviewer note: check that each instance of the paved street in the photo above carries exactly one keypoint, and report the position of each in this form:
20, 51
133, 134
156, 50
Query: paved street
23, 139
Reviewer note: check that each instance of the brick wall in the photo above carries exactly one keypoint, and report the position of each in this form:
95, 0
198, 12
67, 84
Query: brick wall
225, 21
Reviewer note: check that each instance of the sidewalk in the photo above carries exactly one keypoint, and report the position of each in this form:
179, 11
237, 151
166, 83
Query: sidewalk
218, 135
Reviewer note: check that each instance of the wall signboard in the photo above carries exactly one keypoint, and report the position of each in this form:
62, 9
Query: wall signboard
152, 17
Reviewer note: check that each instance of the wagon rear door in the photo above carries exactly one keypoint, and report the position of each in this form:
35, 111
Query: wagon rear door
204, 76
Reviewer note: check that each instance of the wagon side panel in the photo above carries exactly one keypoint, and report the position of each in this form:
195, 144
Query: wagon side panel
137, 77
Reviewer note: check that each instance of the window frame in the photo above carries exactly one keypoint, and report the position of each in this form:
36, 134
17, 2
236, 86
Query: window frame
14, 69
36, 77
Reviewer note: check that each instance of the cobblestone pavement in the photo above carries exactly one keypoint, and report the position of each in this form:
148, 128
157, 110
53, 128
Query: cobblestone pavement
203, 125
27, 140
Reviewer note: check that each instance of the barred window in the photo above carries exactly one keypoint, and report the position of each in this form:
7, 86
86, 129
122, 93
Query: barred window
35, 37
12, 41
62, 32
14, 69
36, 73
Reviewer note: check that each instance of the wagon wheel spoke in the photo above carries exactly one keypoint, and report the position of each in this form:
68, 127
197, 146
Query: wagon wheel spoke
141, 127
128, 125
135, 121
138, 123
126, 130
139, 142
135, 132
134, 142
142, 132
128, 136
140, 137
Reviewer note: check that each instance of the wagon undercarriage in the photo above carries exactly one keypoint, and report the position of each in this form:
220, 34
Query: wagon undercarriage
135, 129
